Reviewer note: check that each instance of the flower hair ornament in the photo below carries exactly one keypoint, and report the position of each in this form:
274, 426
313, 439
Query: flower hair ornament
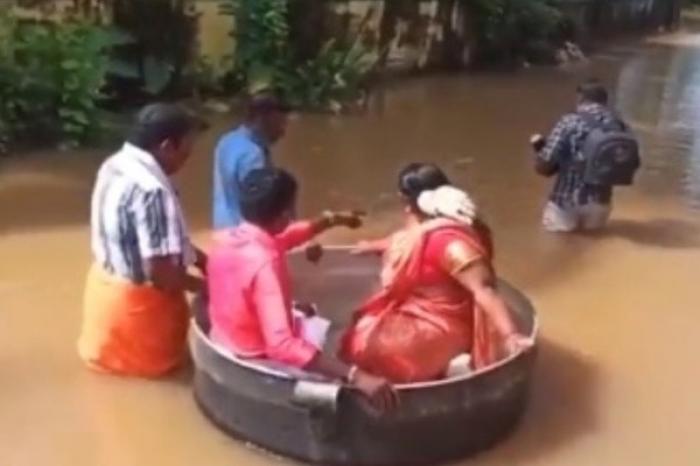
448, 202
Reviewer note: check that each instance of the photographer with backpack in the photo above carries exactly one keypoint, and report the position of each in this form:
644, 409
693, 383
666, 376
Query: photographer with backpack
590, 151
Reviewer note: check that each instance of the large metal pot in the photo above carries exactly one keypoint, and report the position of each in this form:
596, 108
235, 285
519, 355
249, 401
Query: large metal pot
325, 423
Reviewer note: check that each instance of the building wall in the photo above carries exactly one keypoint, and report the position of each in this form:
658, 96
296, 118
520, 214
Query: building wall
411, 46
419, 33
215, 41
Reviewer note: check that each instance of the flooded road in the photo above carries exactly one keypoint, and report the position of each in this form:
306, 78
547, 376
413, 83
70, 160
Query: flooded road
617, 382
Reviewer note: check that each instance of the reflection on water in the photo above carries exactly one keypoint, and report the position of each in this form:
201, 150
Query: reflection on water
566, 388
666, 117
618, 309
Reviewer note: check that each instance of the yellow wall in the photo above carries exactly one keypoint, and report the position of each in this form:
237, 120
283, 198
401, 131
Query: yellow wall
56, 9
214, 40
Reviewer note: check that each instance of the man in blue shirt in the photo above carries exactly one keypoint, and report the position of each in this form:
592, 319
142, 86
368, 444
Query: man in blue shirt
243, 150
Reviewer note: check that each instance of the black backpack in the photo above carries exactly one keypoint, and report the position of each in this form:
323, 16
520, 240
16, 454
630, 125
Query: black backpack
610, 153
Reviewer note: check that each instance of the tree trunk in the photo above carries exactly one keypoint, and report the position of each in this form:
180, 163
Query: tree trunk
387, 29
306, 21
452, 44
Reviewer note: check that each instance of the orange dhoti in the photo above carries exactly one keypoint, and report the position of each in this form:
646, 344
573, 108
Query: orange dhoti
131, 329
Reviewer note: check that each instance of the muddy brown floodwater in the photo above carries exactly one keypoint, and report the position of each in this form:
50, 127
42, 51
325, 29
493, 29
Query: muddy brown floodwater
617, 383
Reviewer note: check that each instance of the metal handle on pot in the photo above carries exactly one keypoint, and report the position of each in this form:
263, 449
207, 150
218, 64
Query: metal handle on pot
317, 395
321, 401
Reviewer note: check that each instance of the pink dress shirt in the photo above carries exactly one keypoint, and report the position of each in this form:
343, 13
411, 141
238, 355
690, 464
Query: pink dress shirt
250, 301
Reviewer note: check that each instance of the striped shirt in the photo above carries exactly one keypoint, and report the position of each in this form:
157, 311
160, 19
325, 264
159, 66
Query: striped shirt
564, 150
135, 216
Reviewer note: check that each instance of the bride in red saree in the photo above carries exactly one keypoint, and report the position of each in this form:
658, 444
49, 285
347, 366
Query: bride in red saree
438, 298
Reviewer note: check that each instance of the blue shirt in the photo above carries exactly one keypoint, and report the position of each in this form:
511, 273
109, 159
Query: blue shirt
237, 154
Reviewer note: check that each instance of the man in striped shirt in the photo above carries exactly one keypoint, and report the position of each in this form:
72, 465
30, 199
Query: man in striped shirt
135, 313
574, 204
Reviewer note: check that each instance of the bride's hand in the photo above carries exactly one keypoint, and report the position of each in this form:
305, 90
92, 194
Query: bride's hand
517, 343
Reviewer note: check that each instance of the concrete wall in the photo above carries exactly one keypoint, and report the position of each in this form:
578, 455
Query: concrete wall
414, 34
415, 42
422, 29
215, 41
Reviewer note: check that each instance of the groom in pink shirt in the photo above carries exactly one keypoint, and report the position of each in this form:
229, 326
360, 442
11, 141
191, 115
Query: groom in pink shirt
249, 287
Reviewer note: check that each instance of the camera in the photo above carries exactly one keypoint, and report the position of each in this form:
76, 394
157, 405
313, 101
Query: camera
537, 141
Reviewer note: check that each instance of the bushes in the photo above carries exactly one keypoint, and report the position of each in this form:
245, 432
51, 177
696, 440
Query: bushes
333, 78
157, 46
266, 59
512, 30
261, 38
51, 73
50, 79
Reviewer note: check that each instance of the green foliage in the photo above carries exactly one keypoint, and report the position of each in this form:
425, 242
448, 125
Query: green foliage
50, 79
261, 35
204, 78
156, 43
335, 76
515, 29
265, 59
